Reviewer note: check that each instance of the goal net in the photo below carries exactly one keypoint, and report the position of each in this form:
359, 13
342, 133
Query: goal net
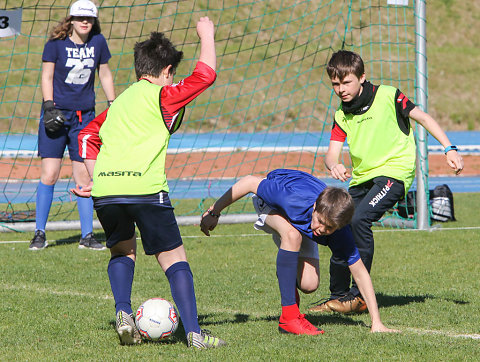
271, 106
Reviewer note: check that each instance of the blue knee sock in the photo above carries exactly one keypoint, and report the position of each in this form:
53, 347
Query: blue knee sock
85, 211
180, 278
44, 202
287, 262
120, 272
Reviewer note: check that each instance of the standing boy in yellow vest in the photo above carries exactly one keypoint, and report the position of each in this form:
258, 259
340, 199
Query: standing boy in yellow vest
129, 181
375, 121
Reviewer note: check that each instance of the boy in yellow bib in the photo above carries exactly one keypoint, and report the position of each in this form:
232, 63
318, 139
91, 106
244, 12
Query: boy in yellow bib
375, 121
124, 149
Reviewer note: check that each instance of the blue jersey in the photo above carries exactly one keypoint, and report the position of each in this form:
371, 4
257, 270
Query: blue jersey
75, 66
293, 193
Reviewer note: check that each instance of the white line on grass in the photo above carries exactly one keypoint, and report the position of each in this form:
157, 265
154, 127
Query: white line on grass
264, 234
225, 236
431, 229
138, 238
14, 241
443, 333
104, 297
55, 292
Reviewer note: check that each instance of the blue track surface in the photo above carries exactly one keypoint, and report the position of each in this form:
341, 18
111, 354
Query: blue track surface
180, 189
21, 145
185, 189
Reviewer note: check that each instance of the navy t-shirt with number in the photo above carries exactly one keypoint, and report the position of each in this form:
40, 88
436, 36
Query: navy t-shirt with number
75, 67
293, 193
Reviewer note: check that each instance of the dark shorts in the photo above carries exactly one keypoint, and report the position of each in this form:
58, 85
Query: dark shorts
52, 145
156, 223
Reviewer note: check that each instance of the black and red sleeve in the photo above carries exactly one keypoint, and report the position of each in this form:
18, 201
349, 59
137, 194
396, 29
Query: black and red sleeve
403, 107
338, 134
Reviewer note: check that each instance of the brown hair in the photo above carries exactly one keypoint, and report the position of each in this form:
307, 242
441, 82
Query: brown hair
65, 28
154, 54
336, 205
343, 63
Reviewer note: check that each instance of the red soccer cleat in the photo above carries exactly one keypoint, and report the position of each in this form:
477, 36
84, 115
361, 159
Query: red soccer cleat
298, 326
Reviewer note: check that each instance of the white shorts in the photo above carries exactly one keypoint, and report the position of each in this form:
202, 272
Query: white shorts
309, 248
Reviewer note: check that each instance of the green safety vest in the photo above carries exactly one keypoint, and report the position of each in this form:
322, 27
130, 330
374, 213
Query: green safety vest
134, 138
378, 147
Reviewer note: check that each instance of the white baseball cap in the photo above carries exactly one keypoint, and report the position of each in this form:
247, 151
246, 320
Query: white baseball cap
83, 8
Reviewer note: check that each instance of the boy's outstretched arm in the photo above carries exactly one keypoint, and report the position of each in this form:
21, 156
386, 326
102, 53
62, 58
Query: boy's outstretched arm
206, 33
244, 186
364, 282
454, 160
337, 170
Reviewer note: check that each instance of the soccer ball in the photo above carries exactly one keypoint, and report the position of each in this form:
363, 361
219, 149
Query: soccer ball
156, 319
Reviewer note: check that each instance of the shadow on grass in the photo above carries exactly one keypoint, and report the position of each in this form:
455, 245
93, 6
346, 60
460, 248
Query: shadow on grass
74, 239
335, 318
385, 301
209, 320
65, 241
316, 319
177, 337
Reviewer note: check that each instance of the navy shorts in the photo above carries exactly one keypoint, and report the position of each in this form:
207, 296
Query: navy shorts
156, 223
52, 145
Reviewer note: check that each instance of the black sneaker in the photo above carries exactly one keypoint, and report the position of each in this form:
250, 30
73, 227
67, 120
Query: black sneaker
39, 241
89, 242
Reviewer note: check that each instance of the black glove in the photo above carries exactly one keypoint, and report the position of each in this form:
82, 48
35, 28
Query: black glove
52, 117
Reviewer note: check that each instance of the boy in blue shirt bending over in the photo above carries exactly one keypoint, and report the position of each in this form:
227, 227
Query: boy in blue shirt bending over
301, 212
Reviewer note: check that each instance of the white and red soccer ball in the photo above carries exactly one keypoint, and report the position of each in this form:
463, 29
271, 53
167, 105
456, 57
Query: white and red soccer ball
156, 319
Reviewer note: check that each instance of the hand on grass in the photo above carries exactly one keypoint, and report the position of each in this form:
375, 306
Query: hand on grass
380, 328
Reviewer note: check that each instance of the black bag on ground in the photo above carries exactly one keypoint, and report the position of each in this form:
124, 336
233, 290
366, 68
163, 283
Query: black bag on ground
441, 201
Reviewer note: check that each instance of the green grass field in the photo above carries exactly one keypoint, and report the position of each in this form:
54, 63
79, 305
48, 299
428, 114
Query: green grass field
57, 304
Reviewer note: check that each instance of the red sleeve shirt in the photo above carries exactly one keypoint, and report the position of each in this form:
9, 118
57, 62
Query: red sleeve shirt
172, 99
337, 133
89, 141
176, 96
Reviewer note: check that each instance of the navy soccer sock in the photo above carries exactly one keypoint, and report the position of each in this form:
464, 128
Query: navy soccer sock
120, 272
287, 262
85, 211
44, 202
180, 278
